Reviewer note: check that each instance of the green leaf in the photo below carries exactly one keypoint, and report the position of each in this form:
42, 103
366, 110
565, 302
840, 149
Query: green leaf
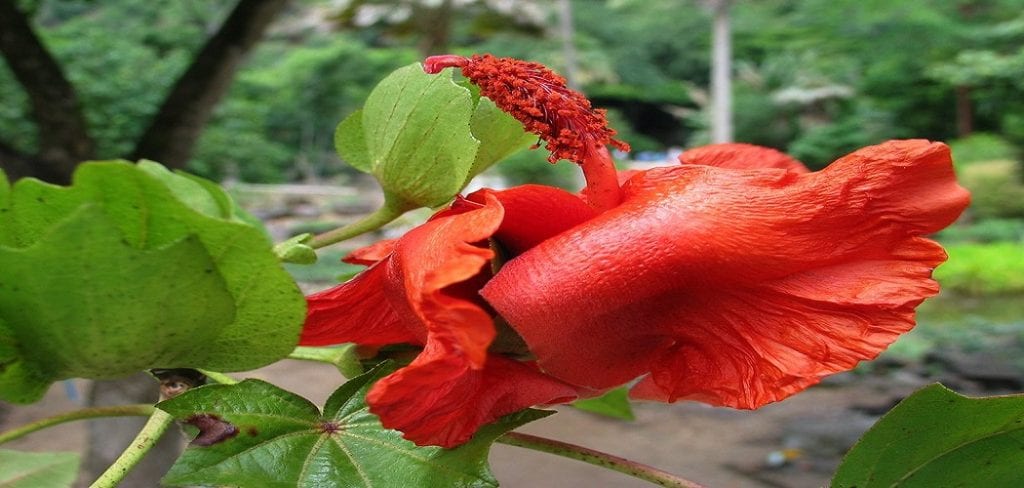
134, 267
613, 404
257, 435
499, 133
93, 315
37, 469
350, 142
417, 133
936, 437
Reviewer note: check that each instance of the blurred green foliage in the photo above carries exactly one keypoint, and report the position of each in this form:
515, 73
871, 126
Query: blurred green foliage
985, 231
996, 189
978, 269
981, 146
816, 78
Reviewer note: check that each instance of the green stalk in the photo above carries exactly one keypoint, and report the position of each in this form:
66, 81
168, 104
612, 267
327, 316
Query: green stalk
155, 427
220, 378
372, 222
139, 410
597, 458
342, 357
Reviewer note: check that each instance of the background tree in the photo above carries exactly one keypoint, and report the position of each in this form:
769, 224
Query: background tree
63, 135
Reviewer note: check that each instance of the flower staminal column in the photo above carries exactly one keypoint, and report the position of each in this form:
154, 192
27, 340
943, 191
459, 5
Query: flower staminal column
563, 118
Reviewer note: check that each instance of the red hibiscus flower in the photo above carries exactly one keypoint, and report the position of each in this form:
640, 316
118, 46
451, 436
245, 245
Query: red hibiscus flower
736, 278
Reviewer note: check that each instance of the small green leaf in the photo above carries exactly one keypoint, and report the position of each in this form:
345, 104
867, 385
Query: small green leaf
350, 142
416, 129
499, 133
936, 437
296, 250
613, 404
37, 469
257, 435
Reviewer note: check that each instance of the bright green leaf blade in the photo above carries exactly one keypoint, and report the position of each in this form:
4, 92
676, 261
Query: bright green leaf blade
201, 195
613, 404
936, 437
418, 138
499, 133
37, 469
277, 439
152, 208
350, 142
99, 308
32, 209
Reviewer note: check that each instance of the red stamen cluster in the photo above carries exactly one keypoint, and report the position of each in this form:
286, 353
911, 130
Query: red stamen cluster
538, 98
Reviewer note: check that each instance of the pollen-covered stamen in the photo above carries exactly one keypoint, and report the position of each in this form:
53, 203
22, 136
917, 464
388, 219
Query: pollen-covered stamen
541, 101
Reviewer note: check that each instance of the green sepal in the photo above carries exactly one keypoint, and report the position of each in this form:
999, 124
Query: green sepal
277, 439
350, 142
414, 136
614, 403
936, 437
499, 133
296, 250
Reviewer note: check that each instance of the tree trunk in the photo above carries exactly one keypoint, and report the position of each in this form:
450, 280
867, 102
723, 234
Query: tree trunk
568, 46
109, 437
721, 80
64, 139
434, 25
174, 131
964, 111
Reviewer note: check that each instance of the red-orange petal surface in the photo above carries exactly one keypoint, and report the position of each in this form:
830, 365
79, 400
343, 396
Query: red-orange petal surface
534, 213
741, 156
737, 287
440, 399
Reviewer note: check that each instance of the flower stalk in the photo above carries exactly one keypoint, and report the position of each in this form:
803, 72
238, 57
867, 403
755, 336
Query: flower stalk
597, 458
137, 410
155, 427
370, 223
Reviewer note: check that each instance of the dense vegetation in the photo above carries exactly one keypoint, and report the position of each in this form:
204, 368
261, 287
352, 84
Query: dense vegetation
816, 78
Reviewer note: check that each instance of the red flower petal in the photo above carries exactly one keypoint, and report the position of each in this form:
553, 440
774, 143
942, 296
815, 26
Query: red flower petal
737, 287
371, 254
415, 291
441, 399
431, 260
534, 213
741, 156
357, 311
425, 292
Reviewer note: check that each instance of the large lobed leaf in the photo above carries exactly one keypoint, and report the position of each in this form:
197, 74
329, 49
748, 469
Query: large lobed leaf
254, 434
936, 438
134, 267
37, 469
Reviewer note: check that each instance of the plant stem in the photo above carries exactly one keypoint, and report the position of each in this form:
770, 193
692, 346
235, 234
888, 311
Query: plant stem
372, 222
139, 410
342, 357
219, 377
155, 427
597, 458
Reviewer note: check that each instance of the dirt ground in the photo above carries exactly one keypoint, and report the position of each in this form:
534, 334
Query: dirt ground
717, 447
